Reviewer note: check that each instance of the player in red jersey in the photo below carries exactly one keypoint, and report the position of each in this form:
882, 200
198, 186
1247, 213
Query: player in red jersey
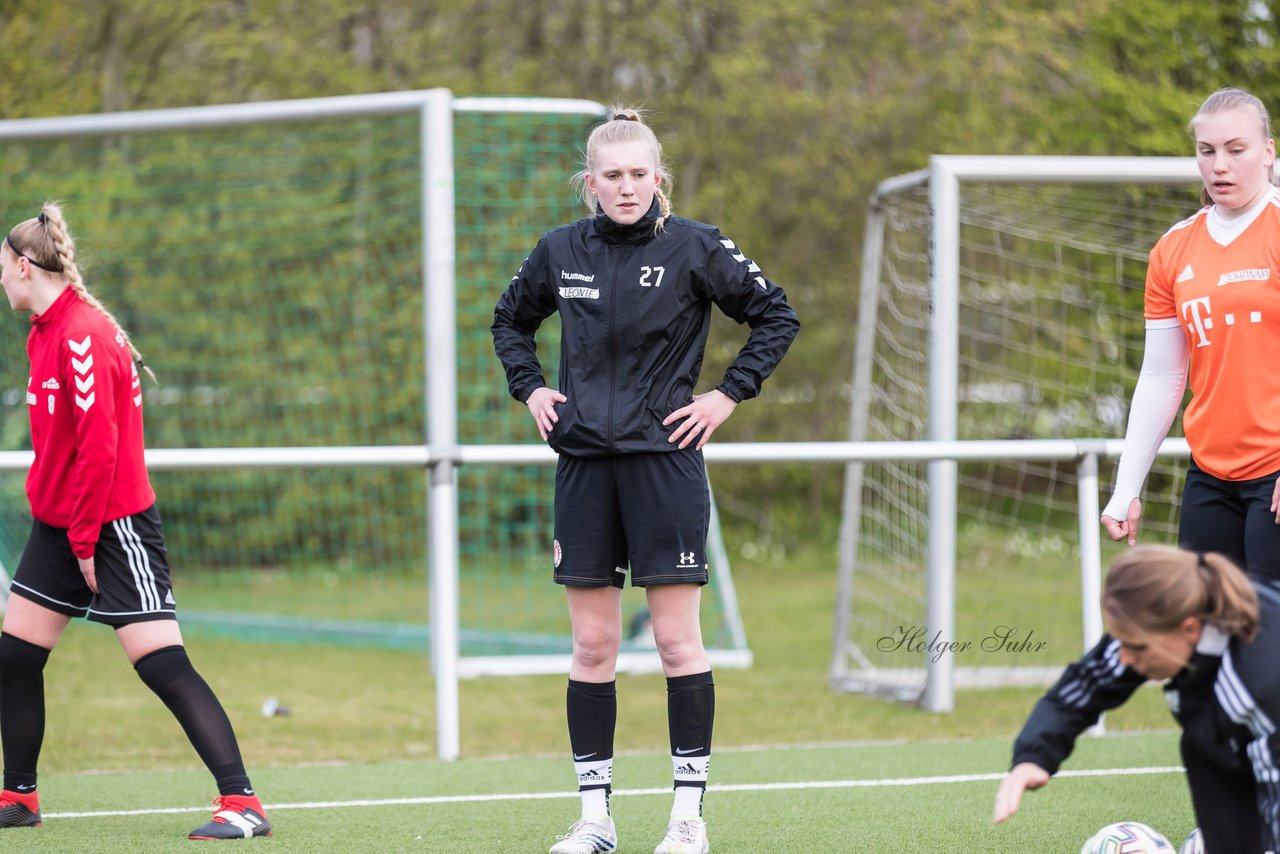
1213, 318
96, 548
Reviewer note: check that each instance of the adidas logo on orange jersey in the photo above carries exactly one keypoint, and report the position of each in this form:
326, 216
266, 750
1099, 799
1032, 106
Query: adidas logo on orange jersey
1186, 275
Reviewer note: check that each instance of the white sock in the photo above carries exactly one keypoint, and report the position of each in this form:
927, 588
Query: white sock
687, 770
688, 803
595, 803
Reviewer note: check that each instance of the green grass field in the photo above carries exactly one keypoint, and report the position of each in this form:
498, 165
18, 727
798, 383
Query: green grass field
352, 767
922, 796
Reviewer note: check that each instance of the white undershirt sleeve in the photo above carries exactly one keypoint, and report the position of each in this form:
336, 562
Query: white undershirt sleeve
1155, 403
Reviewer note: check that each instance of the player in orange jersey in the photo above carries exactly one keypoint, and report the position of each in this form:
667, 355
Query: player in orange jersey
1213, 319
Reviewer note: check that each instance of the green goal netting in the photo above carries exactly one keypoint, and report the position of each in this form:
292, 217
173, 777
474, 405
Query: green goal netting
271, 274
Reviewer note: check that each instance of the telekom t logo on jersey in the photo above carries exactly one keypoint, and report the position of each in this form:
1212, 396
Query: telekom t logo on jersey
1196, 314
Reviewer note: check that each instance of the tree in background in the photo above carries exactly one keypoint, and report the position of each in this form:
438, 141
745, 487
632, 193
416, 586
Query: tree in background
779, 118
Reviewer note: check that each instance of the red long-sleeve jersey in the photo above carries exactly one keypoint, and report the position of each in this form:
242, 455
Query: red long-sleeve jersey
85, 401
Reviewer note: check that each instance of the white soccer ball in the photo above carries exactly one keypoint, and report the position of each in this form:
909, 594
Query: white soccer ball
1193, 844
1127, 837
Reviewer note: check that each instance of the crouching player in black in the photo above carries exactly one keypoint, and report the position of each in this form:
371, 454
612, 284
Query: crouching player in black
1196, 621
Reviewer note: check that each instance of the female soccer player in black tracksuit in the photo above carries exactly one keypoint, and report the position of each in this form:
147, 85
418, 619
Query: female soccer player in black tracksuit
634, 287
1195, 620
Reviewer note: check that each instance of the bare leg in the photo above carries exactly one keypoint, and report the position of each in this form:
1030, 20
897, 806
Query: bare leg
141, 639
596, 615
34, 623
674, 610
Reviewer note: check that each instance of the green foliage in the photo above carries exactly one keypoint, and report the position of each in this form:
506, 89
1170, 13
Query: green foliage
272, 277
779, 119
235, 262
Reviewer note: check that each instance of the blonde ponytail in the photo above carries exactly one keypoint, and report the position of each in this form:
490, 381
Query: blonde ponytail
48, 244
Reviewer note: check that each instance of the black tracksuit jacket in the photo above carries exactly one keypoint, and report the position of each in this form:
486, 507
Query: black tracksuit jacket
1227, 701
635, 309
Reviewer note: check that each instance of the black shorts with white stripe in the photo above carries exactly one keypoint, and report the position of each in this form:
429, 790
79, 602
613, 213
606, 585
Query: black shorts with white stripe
130, 564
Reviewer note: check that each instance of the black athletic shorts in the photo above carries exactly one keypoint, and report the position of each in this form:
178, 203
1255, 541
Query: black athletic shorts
129, 561
649, 512
1233, 517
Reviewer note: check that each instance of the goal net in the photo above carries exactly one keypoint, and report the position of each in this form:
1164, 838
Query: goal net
1033, 321
271, 271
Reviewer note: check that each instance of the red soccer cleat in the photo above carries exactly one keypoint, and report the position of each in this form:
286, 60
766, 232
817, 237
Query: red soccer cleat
234, 817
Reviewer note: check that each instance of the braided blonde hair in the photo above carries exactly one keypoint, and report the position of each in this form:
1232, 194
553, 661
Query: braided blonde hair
625, 124
46, 242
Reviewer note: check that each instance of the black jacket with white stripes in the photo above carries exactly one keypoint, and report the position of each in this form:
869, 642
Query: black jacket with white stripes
1227, 701
635, 309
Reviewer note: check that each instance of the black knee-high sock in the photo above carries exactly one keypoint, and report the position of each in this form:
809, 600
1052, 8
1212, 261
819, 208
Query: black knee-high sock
691, 711
21, 710
592, 710
168, 672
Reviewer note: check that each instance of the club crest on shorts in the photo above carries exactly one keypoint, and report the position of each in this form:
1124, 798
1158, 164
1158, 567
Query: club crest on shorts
556, 554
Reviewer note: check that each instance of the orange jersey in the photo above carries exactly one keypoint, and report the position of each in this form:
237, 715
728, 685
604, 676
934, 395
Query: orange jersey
1227, 300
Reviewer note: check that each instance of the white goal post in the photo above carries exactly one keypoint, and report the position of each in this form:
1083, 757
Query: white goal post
434, 172
423, 167
939, 258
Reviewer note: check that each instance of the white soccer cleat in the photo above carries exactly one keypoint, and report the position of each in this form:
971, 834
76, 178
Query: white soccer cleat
588, 836
686, 836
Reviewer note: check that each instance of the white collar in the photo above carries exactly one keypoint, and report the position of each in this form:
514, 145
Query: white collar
1223, 231
1213, 640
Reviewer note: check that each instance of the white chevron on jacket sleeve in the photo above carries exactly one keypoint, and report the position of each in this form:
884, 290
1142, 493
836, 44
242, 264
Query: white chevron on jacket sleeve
84, 383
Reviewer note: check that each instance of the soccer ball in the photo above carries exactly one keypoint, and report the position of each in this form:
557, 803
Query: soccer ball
1127, 837
1193, 844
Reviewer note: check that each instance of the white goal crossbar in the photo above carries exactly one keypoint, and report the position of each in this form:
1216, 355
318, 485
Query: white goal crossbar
943, 180
436, 108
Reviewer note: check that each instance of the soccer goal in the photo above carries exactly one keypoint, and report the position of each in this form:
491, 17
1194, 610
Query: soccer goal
313, 283
1000, 335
